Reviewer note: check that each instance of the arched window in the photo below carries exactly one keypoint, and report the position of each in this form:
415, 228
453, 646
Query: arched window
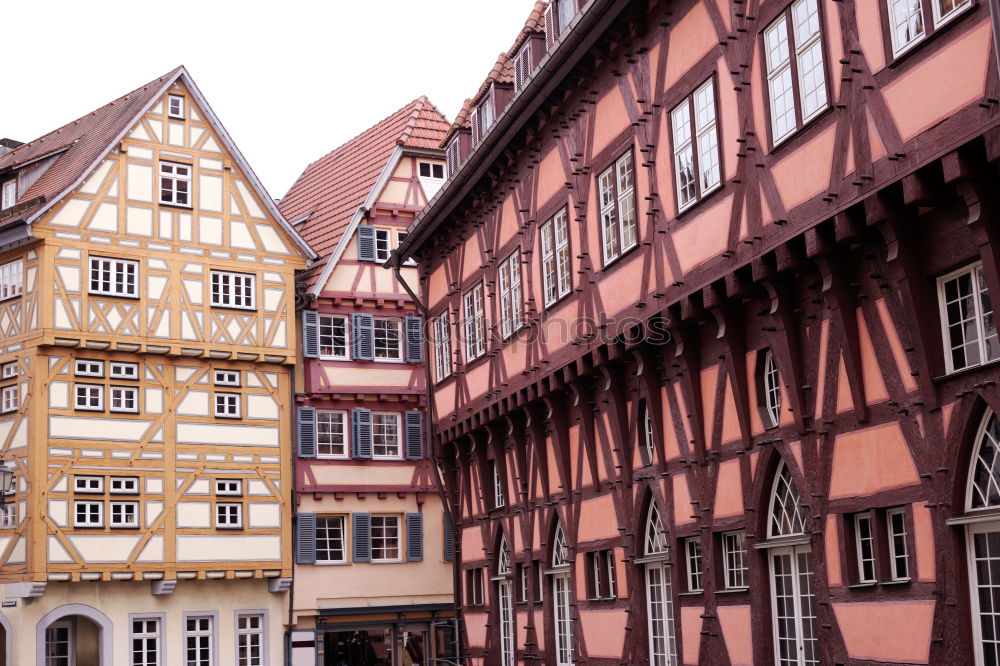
505, 598
984, 475
561, 590
983, 539
768, 389
645, 433
659, 592
786, 517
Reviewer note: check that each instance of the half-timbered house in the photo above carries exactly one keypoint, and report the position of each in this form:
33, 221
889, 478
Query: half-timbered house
713, 353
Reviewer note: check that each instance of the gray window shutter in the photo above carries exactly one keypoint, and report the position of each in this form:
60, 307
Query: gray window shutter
414, 537
361, 431
310, 333
449, 539
363, 330
550, 26
414, 435
307, 432
305, 538
361, 536
415, 339
366, 242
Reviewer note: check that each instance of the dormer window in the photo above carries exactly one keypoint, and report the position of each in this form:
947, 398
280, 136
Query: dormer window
175, 106
565, 11
453, 154
431, 177
482, 118
522, 66
9, 194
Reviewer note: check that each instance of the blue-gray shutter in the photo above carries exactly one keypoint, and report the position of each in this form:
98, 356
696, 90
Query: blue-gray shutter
366, 242
414, 537
361, 537
449, 539
363, 332
415, 339
361, 433
310, 333
307, 432
414, 435
305, 538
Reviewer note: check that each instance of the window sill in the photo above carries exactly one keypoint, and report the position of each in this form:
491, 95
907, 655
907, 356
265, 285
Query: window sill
692, 207
733, 590
897, 60
10, 298
965, 371
171, 204
893, 583
343, 563
230, 528
691, 593
218, 306
798, 136
863, 586
558, 301
102, 294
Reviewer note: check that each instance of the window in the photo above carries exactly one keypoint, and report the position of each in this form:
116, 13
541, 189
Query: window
144, 642
696, 146
474, 587
970, 330
498, 499
431, 170
229, 516
561, 595
60, 643
175, 106
330, 539
908, 19
453, 154
899, 559
539, 580
87, 368
124, 399
88, 484
482, 118
431, 179
442, 346
10, 279
227, 405
89, 397
734, 560
385, 538
475, 324
88, 514
796, 77
402, 235
198, 641
230, 487
770, 388
333, 336
388, 340
556, 278
331, 434
124, 485
565, 9
383, 247
646, 433
124, 514
10, 399
232, 290
618, 228
120, 370
523, 67
864, 542
249, 640
9, 194
523, 582
114, 277
692, 558
982, 492
385, 435
8, 516
8, 370
505, 598
601, 575
175, 184
226, 377
510, 294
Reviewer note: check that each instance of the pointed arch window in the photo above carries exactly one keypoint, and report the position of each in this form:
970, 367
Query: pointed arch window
645, 433
560, 553
503, 559
984, 475
785, 514
656, 538
659, 593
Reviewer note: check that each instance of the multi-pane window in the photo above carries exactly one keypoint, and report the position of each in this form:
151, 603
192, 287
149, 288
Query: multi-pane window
88, 514
482, 118
692, 558
331, 434
509, 275
970, 330
11, 279
498, 498
229, 515
124, 399
10, 399
385, 435
330, 539
114, 277
442, 346
249, 640
124, 514
523, 582
198, 641
734, 560
333, 336
122, 370
175, 106
617, 198
175, 184
8, 516
227, 405
87, 368
9, 196
770, 386
908, 22
232, 290
123, 485
226, 378
556, 278
431, 170
475, 323
8, 370
89, 397
601, 575
383, 245
899, 559
864, 540
88, 484
696, 145
796, 76
385, 538
646, 433
474, 587
145, 642
388, 340
230, 487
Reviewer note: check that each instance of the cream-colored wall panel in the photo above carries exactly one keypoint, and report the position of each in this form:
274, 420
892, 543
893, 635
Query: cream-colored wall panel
104, 547
153, 511
59, 395
139, 152
256, 487
175, 134
139, 134
264, 514
139, 182
350, 475
279, 335
156, 127
182, 373
211, 146
249, 201
17, 555
20, 438
166, 230
60, 316
78, 427
139, 221
210, 230
57, 553
270, 238
184, 227
5, 426
153, 400
261, 407
70, 277
239, 235
196, 133
163, 328
194, 514
194, 290
195, 403
71, 213
96, 179
113, 187
59, 512
62, 485
154, 485
225, 548
272, 299
209, 163
187, 327
157, 283
194, 268
210, 193
152, 551
199, 487
372, 375
234, 435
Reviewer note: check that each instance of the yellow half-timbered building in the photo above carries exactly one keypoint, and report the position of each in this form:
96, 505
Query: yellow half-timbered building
147, 348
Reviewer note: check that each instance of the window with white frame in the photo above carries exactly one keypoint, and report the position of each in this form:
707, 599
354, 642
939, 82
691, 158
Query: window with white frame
89, 397
11, 279
9, 196
383, 245
388, 339
770, 387
175, 106
175, 184
330, 539
229, 515
10, 398
386, 435
601, 574
442, 346
8, 370
475, 324
8, 516
484, 115
509, 275
122, 370
692, 558
250, 639
124, 399
124, 514
226, 377
474, 587
227, 405
385, 538
88, 484
431, 177
970, 330
908, 19
88, 514
864, 540
88, 368
198, 632
333, 337
114, 277
617, 199
734, 560
523, 582
123, 485
229, 487
899, 558
696, 145
233, 290
796, 75
144, 642
556, 278
498, 495
400, 237
646, 433
331, 434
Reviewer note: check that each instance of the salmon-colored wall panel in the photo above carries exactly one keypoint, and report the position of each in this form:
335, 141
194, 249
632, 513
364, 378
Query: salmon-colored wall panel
909, 383
946, 412
869, 23
796, 449
515, 359
730, 419
682, 501
833, 573
620, 574
478, 379
875, 390
690, 39
729, 126
756, 425
473, 258
621, 288
475, 628
870, 461
558, 330
597, 519
508, 224
691, 631
844, 402
729, 490
444, 400
550, 452
806, 171
709, 383
737, 632
757, 93
705, 237
472, 544
834, 42
904, 630
603, 631
875, 139
612, 118
923, 539
551, 177
670, 446
724, 10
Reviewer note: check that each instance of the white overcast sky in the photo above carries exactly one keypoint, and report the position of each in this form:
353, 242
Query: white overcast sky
290, 79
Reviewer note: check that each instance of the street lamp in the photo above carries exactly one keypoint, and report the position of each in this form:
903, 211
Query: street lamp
6, 482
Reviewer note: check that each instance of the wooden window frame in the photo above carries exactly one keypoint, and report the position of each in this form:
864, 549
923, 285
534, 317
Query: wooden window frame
343, 538
122, 272
245, 634
86, 406
974, 270
80, 368
384, 322
553, 249
179, 114
209, 644
10, 398
387, 540
647, 433
601, 575
8, 516
328, 321
474, 592
693, 143
224, 410
511, 303
224, 513
89, 523
860, 560
933, 22
345, 426
125, 391
474, 322
694, 574
496, 479
168, 184
399, 436
8, 197
382, 237
224, 284
615, 205
224, 488
98, 489
115, 523
732, 574
441, 327
128, 485
891, 543
123, 370
11, 279
8, 370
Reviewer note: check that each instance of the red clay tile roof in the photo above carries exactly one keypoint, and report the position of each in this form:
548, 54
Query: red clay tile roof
332, 188
84, 140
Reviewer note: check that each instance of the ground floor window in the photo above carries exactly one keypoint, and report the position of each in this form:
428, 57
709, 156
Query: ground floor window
563, 619
793, 607
506, 623
59, 648
660, 615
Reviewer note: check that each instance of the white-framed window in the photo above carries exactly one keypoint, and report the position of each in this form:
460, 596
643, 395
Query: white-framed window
696, 145
331, 433
89, 368
175, 184
511, 306
646, 432
561, 600
175, 106
796, 76
400, 237
734, 560
442, 346
229, 487
386, 436
123, 485
11, 279
899, 557
388, 339
124, 399
9, 196
330, 539
498, 494
8, 516
124, 514
198, 639
692, 558
114, 277
144, 641
474, 587
431, 177
226, 377
383, 245
227, 405
10, 398
385, 538
864, 542
617, 199
88, 514
601, 574
906, 23
233, 290
333, 337
88, 484
556, 278
970, 330
483, 117
89, 397
122, 370
229, 515
523, 582
475, 323
8, 370
250, 639
771, 387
